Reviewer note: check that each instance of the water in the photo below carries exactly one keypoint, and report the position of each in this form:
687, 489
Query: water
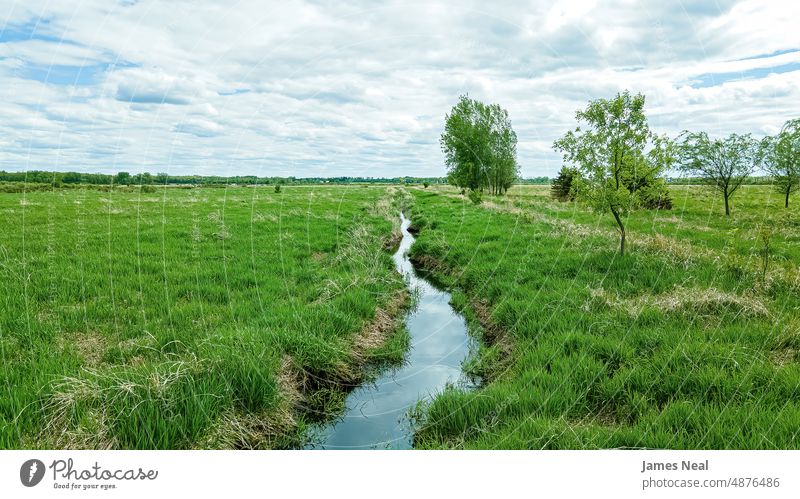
376, 413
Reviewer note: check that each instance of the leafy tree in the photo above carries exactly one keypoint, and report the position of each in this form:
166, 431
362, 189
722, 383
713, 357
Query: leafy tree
723, 163
610, 155
780, 155
480, 147
122, 178
562, 187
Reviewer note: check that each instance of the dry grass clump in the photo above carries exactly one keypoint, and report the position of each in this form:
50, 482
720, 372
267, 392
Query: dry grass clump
90, 346
261, 217
694, 301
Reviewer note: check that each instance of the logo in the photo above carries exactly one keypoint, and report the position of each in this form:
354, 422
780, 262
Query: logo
31, 472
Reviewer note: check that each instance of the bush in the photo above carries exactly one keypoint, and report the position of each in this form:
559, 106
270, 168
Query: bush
654, 195
563, 188
642, 179
475, 196
425, 184
277, 188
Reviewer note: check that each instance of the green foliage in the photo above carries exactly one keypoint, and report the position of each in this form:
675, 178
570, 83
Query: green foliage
562, 187
480, 146
615, 173
122, 178
724, 163
780, 155
475, 196
277, 188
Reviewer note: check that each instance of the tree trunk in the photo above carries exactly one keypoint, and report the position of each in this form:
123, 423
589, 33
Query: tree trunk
621, 231
788, 189
727, 207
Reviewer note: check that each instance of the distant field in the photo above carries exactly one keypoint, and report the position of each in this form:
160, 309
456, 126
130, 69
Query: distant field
683, 343
188, 317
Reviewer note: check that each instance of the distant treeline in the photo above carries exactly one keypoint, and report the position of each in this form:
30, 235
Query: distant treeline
126, 178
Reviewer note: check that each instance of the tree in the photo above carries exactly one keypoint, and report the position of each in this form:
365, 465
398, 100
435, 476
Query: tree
122, 178
480, 147
780, 156
723, 163
562, 187
610, 155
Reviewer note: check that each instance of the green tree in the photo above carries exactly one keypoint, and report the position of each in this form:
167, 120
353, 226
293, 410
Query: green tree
480, 147
562, 187
722, 163
609, 152
780, 156
122, 178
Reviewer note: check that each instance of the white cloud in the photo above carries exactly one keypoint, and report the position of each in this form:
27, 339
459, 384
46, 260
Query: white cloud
349, 88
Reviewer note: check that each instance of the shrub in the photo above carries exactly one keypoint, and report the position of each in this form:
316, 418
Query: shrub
475, 196
277, 188
653, 193
563, 188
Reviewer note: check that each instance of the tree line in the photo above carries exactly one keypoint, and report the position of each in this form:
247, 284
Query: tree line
125, 178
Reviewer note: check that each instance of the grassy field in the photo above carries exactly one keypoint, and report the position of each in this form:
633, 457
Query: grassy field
685, 342
236, 317
179, 318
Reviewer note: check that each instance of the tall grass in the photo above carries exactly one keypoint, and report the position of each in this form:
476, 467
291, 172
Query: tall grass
679, 344
183, 317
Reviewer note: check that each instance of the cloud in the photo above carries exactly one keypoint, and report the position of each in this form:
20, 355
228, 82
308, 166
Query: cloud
354, 88
155, 86
199, 128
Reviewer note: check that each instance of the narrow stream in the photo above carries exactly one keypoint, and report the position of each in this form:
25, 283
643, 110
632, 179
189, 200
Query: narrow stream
376, 413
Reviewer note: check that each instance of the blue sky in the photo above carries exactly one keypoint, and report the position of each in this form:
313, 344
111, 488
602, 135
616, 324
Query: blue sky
361, 88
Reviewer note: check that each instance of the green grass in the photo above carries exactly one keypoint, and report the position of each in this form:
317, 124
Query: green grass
181, 318
235, 317
682, 343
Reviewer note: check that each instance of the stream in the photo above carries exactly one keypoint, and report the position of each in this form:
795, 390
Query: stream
376, 413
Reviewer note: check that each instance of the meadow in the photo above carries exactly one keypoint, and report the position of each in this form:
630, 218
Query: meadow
688, 341
191, 317
238, 317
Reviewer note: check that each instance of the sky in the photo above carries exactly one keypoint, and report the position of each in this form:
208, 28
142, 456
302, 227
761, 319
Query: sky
342, 88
